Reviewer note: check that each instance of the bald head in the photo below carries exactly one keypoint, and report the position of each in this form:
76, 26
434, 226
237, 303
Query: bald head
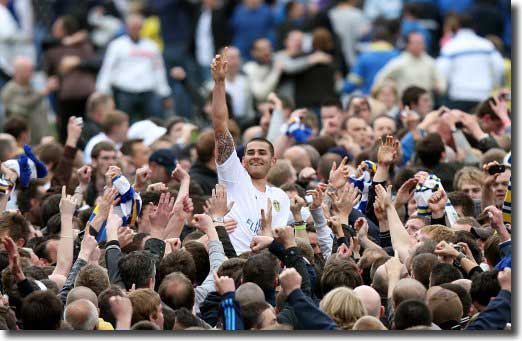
23, 70
249, 293
79, 293
7, 147
371, 299
408, 289
82, 315
463, 282
299, 157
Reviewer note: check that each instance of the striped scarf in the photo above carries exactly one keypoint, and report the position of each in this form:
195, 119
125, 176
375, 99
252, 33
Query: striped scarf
423, 193
363, 183
128, 209
506, 205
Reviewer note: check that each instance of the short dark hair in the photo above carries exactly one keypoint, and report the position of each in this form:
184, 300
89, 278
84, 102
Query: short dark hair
463, 200
126, 147
94, 277
102, 146
251, 314
464, 296
179, 260
469, 239
492, 250
16, 226
205, 146
340, 272
261, 139
42, 310
185, 319
332, 102
16, 126
261, 269
201, 259
411, 95
50, 206
104, 303
411, 313
233, 268
484, 286
421, 267
182, 296
444, 273
136, 268
429, 149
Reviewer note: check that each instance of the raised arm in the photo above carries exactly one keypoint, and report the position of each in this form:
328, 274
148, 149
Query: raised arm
222, 136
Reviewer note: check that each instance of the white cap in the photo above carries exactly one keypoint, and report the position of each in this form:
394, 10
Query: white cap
146, 130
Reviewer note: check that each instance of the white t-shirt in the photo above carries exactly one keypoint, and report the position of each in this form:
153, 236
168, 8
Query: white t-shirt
248, 202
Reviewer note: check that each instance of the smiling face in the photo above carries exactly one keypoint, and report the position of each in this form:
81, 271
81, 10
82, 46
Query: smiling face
258, 159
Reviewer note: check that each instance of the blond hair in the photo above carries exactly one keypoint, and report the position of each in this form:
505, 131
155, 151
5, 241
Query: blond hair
438, 233
343, 306
467, 175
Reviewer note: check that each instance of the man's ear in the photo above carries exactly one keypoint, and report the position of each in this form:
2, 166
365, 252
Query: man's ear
381, 311
274, 160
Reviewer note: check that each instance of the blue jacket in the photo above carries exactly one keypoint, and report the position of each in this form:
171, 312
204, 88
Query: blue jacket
231, 312
368, 64
249, 25
309, 316
496, 314
505, 252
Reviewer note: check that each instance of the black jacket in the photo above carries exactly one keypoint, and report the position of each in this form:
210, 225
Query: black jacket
204, 176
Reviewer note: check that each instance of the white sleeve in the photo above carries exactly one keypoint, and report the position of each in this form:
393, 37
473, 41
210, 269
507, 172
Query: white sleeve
444, 65
498, 67
232, 171
324, 234
103, 82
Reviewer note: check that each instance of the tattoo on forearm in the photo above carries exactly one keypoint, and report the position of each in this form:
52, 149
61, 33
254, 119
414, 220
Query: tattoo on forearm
224, 146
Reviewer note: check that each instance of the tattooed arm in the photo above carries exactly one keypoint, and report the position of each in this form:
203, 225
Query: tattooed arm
224, 141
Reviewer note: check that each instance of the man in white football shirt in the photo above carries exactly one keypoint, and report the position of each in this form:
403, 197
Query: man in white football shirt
246, 181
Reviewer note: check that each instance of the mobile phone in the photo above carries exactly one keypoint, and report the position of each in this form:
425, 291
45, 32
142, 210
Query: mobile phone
506, 97
495, 169
458, 248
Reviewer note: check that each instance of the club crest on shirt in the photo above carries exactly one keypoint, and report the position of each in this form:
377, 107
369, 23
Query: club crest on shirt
276, 205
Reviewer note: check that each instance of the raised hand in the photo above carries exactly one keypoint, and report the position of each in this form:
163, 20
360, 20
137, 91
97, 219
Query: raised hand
219, 67
217, 206
489, 180
335, 224
339, 175
202, 222
157, 187
383, 197
223, 284
317, 197
504, 279
361, 227
9, 174
296, 204
285, 235
266, 219
74, 131
14, 258
290, 280
143, 175
444, 249
107, 200
405, 192
68, 203
179, 174
497, 222
159, 217
84, 175
307, 174
344, 201
394, 266
125, 236
437, 204
388, 150
88, 245
113, 172
259, 243
121, 308
499, 106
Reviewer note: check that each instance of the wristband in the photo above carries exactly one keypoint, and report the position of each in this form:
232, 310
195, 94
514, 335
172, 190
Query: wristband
219, 220
300, 227
460, 256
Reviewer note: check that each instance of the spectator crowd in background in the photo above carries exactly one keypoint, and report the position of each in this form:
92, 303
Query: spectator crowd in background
247, 165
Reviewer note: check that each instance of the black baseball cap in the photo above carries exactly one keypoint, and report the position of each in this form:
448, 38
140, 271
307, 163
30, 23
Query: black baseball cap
165, 158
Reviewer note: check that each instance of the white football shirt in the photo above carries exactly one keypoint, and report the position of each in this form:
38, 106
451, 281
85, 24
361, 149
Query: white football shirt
248, 202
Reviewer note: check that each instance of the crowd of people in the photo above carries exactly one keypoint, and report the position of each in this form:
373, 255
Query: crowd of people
251, 165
